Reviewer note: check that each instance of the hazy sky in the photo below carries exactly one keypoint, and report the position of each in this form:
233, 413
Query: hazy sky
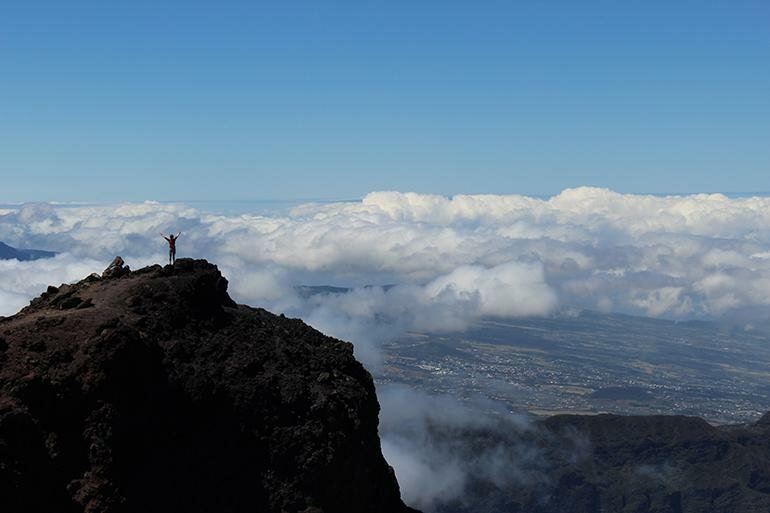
172, 100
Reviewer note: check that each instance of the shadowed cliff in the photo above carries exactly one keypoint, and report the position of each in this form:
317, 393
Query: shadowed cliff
153, 391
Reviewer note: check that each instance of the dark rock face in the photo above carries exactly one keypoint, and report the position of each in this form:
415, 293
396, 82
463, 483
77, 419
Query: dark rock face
116, 269
162, 395
619, 464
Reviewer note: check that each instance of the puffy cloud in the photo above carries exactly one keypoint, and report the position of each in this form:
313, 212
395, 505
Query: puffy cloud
439, 447
451, 302
446, 261
506, 290
21, 281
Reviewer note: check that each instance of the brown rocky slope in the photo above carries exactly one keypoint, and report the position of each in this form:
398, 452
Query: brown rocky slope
152, 391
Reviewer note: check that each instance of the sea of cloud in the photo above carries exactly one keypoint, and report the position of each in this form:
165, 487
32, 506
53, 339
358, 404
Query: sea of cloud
415, 262
426, 262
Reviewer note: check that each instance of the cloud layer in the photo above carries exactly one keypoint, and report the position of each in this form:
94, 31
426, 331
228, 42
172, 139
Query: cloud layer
449, 260
414, 262
445, 452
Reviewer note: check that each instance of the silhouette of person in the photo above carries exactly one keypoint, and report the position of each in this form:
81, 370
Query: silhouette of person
171, 239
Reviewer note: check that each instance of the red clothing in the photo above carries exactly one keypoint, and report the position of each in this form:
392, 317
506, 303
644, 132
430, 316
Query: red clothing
171, 243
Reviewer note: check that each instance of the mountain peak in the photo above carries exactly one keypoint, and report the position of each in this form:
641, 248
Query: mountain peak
151, 390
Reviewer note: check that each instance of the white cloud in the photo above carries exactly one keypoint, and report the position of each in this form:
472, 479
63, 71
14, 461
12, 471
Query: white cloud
438, 445
450, 259
21, 281
507, 290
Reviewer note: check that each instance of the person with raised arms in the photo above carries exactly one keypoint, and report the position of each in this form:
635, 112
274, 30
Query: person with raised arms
171, 239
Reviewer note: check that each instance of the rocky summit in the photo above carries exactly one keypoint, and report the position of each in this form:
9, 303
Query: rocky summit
152, 391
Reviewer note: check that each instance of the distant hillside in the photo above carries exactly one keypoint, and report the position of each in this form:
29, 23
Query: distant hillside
9, 253
611, 463
308, 291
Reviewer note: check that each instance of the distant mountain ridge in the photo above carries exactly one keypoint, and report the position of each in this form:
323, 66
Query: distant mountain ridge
9, 253
308, 291
618, 464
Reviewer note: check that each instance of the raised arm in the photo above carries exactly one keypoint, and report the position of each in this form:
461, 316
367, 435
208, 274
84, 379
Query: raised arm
177, 235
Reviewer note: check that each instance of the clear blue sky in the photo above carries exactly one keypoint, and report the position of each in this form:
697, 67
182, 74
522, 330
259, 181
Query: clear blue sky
183, 100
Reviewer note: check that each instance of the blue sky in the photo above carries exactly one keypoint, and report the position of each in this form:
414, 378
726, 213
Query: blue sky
107, 101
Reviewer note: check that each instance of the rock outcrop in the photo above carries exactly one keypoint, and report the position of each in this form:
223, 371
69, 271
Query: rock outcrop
152, 391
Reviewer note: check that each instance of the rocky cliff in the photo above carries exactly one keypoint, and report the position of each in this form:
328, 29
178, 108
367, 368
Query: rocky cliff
152, 391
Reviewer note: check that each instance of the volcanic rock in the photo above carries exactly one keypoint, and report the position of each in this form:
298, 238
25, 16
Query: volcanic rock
116, 269
163, 395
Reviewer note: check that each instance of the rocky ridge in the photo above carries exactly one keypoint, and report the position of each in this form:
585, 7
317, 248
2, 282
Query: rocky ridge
153, 391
